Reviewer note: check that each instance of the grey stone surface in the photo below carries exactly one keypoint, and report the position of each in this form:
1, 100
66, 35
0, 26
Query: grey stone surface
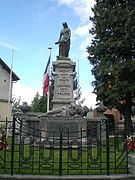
63, 82
29, 124
96, 129
73, 110
131, 163
33, 125
65, 126
76, 177
55, 125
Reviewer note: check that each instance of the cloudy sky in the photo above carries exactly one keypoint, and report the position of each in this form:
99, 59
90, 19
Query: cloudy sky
30, 27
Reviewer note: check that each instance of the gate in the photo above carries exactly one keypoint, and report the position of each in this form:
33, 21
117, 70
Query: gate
91, 151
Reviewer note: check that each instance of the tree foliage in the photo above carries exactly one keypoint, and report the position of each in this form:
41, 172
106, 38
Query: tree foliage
39, 103
77, 90
112, 54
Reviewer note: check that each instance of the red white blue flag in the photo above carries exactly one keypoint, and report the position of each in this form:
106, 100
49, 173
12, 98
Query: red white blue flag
46, 78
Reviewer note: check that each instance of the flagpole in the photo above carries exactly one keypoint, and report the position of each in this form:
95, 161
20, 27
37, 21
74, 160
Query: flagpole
78, 70
48, 93
78, 78
10, 85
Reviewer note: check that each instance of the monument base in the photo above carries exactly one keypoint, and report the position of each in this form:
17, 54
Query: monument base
70, 127
41, 129
57, 103
64, 71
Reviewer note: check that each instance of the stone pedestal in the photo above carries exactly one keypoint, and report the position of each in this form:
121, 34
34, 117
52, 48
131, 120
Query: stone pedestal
64, 70
131, 163
70, 127
26, 125
96, 129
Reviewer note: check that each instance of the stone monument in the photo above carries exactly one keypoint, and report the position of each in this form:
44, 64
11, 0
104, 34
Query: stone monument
64, 69
65, 113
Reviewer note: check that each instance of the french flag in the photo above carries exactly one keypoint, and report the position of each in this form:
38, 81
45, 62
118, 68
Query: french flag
46, 77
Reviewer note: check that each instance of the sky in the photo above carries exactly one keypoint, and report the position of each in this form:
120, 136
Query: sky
29, 27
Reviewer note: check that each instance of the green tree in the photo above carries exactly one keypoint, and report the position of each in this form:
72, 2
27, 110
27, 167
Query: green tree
77, 90
39, 103
112, 54
77, 96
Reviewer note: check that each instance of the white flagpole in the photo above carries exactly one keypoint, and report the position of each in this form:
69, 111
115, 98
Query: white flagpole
10, 86
78, 78
48, 94
78, 71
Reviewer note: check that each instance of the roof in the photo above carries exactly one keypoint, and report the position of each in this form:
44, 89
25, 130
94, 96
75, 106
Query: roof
5, 66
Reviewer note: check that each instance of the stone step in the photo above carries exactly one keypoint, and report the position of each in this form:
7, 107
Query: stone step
74, 177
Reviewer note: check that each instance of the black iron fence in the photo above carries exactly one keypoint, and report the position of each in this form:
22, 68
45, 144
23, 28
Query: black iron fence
92, 151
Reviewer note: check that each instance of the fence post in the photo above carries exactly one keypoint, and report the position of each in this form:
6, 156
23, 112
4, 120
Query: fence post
107, 148
60, 153
12, 146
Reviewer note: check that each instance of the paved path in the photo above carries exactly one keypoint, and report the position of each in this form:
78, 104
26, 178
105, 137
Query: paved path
85, 177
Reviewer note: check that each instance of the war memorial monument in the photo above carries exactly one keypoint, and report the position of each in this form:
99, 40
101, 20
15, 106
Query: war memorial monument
65, 112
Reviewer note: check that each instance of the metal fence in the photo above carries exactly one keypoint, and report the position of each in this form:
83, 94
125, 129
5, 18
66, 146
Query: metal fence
95, 150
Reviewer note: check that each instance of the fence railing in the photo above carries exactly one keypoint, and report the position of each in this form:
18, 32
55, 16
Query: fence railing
93, 151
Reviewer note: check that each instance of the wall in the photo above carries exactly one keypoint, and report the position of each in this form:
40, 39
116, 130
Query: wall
3, 111
4, 93
4, 83
114, 112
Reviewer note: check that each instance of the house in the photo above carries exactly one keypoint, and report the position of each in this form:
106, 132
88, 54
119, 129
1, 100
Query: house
5, 105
